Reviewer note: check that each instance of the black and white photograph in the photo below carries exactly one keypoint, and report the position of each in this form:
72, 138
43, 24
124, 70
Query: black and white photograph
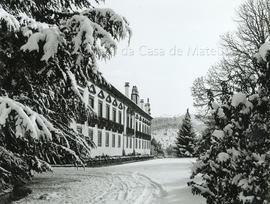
134, 102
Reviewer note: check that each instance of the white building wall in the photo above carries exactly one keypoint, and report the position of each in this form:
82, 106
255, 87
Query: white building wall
110, 151
103, 150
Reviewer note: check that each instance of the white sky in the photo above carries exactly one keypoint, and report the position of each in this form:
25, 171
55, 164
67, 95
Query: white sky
159, 26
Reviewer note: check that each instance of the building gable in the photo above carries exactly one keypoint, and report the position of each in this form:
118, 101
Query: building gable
92, 89
115, 102
109, 99
101, 95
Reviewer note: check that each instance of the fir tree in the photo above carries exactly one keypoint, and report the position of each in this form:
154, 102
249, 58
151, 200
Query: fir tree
46, 49
185, 140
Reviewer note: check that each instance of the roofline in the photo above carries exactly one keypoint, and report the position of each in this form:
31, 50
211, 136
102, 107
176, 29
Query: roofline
118, 94
131, 103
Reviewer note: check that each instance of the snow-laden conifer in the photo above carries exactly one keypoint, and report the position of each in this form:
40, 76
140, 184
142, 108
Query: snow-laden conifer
48, 51
186, 138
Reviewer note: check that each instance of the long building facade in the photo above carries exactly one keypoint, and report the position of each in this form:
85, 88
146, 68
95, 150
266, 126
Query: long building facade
123, 122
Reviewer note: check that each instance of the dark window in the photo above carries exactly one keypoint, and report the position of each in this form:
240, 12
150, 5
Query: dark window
108, 112
113, 140
130, 143
91, 102
136, 125
107, 139
140, 142
136, 143
114, 115
100, 109
127, 120
119, 140
127, 142
90, 134
120, 117
99, 138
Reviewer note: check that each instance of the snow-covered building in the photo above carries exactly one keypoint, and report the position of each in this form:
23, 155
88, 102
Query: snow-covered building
123, 122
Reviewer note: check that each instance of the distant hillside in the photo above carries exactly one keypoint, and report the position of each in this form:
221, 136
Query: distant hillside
160, 123
164, 129
166, 122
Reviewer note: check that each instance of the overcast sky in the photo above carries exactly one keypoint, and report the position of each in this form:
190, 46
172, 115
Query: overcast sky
173, 43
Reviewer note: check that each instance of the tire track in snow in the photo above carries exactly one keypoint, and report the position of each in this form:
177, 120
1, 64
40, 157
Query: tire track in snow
151, 191
129, 188
99, 187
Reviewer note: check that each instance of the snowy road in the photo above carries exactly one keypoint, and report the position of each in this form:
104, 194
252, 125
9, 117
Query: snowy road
155, 181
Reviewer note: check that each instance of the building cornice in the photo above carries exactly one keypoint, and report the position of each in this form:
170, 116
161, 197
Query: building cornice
103, 84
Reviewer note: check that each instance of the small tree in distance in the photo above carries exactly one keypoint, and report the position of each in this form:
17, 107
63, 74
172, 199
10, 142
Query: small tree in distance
185, 140
156, 148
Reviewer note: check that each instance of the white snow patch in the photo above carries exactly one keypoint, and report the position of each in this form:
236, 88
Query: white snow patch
218, 134
215, 105
264, 50
223, 157
228, 129
221, 113
238, 98
52, 39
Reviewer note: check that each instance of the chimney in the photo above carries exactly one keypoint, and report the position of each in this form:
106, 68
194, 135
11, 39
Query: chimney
147, 107
127, 89
142, 104
135, 95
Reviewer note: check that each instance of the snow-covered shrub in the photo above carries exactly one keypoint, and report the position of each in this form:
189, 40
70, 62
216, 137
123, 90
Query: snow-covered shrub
236, 167
47, 49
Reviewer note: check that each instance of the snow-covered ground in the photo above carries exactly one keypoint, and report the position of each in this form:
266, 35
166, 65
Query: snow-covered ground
154, 181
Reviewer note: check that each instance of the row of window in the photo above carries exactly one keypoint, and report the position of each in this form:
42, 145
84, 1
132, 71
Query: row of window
139, 144
142, 128
107, 140
108, 112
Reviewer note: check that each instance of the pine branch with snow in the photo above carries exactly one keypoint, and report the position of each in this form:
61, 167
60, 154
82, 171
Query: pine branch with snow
49, 51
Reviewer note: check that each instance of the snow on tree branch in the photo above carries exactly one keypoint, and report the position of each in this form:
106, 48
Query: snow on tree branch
52, 39
26, 120
10, 20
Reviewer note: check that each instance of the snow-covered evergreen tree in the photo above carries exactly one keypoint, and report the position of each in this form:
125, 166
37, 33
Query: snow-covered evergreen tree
236, 167
185, 140
46, 49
